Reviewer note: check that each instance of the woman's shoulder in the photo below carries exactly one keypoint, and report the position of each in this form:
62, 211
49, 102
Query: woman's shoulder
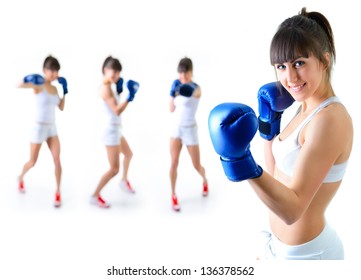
105, 86
105, 90
333, 121
197, 90
51, 89
335, 113
330, 131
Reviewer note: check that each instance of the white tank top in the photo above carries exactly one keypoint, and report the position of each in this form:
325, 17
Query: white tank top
185, 110
45, 104
286, 151
108, 115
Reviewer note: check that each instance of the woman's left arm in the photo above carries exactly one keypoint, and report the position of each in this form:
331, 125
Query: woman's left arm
61, 102
324, 141
197, 93
171, 104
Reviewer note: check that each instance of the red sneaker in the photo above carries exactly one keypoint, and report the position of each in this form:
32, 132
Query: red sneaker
21, 187
126, 186
57, 202
175, 204
205, 189
99, 201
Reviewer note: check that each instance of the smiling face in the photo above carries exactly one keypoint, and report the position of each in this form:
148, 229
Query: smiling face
303, 52
302, 77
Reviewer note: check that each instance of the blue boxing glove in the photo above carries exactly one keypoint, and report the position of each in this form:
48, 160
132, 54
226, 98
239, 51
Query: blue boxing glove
175, 87
188, 89
119, 85
64, 84
273, 99
232, 126
133, 88
34, 79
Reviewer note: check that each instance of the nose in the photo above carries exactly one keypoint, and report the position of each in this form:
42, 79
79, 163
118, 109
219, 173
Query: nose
292, 75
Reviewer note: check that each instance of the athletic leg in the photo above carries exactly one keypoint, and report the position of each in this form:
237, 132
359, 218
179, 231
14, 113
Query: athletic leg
54, 147
34, 154
175, 149
128, 154
113, 158
194, 153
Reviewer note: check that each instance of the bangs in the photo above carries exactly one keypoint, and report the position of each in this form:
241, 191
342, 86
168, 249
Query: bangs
114, 64
117, 66
53, 67
185, 65
289, 44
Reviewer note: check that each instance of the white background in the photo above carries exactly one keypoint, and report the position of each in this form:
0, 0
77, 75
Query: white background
228, 42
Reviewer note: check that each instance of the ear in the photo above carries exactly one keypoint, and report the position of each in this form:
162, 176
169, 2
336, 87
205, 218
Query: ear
328, 59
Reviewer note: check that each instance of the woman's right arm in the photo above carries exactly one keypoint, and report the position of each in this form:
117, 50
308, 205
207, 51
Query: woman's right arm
36, 89
34, 81
108, 97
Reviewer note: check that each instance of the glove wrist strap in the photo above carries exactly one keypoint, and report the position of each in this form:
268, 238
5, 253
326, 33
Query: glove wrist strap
243, 169
267, 129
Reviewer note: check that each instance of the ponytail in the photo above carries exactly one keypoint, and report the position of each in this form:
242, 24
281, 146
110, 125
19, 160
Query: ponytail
322, 21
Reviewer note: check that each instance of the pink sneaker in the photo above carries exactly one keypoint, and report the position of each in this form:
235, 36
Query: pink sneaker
21, 187
99, 201
205, 189
126, 186
175, 204
57, 202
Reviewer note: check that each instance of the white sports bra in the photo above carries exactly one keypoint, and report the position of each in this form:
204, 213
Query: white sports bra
286, 151
185, 110
45, 104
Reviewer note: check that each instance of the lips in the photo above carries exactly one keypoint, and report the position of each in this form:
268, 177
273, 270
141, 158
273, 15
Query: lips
297, 88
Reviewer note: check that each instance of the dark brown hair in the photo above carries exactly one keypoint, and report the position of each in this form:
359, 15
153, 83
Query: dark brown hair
112, 63
51, 63
303, 35
185, 65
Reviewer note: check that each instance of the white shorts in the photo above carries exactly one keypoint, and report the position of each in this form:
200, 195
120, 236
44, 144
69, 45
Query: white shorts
187, 134
326, 246
112, 134
41, 132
